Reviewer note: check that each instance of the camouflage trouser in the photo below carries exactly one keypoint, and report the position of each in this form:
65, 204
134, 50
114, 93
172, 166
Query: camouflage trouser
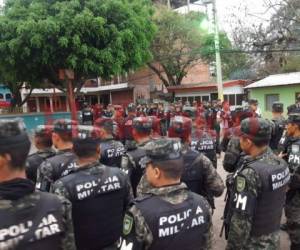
292, 212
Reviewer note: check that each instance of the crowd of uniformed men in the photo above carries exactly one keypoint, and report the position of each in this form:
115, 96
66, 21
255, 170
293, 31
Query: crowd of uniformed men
146, 177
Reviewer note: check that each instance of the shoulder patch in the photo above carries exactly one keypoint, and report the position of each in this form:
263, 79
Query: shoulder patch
240, 183
127, 224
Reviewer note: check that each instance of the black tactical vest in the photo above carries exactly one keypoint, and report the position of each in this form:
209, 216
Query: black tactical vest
176, 226
34, 161
207, 146
192, 175
271, 198
63, 163
40, 226
98, 205
294, 155
87, 115
277, 133
111, 153
136, 173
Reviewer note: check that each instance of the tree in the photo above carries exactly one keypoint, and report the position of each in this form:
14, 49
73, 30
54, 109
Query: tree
274, 39
176, 46
92, 37
174, 3
234, 65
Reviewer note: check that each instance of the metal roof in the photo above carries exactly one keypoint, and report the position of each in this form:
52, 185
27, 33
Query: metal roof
277, 80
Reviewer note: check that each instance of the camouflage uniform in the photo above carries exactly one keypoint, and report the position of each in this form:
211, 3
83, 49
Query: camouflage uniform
250, 184
40, 220
34, 161
100, 196
137, 233
292, 207
212, 185
278, 126
59, 165
131, 160
232, 155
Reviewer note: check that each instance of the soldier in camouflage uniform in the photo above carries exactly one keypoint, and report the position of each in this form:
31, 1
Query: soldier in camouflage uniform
278, 125
111, 149
292, 208
29, 219
63, 162
234, 154
100, 195
258, 193
141, 132
169, 216
199, 173
43, 143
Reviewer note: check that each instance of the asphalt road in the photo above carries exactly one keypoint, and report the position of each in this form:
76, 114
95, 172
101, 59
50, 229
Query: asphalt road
220, 243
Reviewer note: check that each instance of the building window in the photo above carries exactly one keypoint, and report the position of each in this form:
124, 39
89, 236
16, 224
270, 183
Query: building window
232, 100
205, 98
1, 96
190, 99
239, 99
270, 98
296, 95
198, 99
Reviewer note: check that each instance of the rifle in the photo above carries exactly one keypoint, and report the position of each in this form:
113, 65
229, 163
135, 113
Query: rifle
227, 210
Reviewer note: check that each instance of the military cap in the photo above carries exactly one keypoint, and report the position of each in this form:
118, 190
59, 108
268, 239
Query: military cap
87, 134
181, 124
43, 130
294, 117
253, 101
277, 107
163, 149
64, 126
12, 132
142, 123
256, 129
104, 122
131, 107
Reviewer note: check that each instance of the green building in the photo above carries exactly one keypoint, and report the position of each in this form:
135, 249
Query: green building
282, 87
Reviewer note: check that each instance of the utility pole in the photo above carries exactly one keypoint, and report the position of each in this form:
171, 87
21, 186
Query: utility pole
188, 6
218, 56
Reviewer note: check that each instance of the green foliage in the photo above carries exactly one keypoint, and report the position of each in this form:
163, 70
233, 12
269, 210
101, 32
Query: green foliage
93, 37
233, 64
176, 44
292, 64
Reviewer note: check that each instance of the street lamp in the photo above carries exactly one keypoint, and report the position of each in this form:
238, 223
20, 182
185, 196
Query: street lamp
217, 46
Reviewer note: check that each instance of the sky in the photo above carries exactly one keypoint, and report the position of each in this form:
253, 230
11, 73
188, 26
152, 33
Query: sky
225, 8
251, 11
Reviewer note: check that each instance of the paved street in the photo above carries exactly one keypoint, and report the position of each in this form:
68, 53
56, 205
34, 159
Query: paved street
220, 243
